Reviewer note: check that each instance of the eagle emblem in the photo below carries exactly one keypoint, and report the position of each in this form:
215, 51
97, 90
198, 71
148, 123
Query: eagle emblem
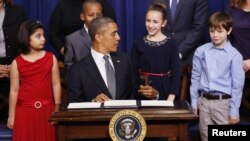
128, 128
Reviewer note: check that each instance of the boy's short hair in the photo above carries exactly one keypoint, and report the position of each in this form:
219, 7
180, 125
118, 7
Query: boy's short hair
90, 2
220, 20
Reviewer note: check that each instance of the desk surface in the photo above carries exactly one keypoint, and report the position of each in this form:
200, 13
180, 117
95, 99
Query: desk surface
93, 123
180, 111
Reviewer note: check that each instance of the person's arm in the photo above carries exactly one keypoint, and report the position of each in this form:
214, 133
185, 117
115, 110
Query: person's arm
238, 79
135, 64
14, 88
74, 84
133, 88
55, 34
56, 84
175, 73
69, 57
195, 79
194, 37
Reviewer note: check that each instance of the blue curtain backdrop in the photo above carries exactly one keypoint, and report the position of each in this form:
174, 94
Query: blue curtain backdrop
130, 16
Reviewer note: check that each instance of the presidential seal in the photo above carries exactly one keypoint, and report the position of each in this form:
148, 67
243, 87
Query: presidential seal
127, 125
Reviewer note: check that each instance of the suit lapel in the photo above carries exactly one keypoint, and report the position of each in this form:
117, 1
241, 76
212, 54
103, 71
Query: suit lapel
95, 74
7, 20
178, 9
169, 18
116, 63
86, 38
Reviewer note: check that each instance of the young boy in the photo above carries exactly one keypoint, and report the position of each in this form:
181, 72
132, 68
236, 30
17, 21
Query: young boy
217, 77
78, 43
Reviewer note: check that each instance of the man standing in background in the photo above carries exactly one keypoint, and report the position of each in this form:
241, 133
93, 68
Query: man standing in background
187, 20
11, 17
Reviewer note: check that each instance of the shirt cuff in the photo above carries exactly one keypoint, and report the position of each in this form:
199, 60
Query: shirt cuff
194, 103
234, 112
180, 56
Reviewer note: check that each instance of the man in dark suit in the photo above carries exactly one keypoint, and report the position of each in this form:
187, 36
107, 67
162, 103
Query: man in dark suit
78, 43
88, 79
187, 26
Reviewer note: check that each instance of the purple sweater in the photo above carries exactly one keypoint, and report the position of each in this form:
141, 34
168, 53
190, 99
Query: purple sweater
240, 36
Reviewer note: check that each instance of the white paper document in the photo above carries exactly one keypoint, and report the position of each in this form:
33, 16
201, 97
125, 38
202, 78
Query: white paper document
84, 105
120, 103
157, 103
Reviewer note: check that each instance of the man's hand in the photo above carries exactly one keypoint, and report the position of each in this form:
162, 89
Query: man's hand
148, 92
4, 71
101, 98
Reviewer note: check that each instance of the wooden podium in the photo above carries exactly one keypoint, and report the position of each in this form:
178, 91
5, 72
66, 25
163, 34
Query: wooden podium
94, 123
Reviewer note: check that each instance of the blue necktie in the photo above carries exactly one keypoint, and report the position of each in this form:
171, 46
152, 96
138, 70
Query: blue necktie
173, 8
110, 74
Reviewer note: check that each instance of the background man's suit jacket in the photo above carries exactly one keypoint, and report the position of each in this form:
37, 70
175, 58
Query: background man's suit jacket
85, 82
188, 26
78, 45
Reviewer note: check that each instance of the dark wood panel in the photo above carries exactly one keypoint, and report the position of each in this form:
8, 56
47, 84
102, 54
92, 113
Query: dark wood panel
93, 123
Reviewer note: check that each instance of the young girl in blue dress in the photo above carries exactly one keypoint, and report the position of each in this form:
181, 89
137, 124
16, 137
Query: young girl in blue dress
156, 57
